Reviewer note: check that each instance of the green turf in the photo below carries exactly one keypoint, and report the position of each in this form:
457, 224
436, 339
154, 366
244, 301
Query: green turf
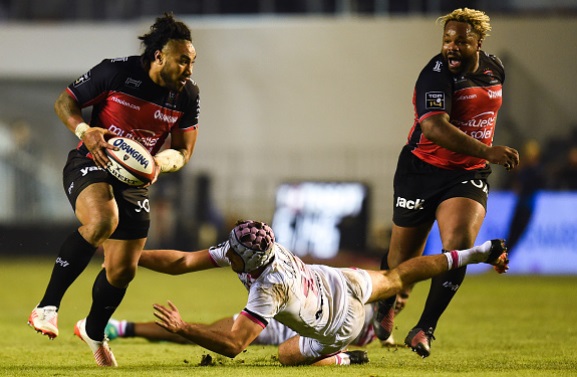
496, 326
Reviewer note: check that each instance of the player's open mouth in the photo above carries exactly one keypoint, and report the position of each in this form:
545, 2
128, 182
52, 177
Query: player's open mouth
454, 63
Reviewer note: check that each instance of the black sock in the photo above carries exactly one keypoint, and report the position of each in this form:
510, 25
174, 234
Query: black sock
129, 330
105, 300
75, 254
443, 288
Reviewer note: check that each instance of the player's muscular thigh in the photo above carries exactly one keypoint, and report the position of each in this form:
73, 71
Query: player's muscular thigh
459, 221
98, 213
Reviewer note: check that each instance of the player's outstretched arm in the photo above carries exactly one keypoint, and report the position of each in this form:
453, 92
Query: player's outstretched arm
220, 339
175, 262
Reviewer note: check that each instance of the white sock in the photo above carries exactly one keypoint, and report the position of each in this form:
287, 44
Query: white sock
342, 358
460, 258
452, 259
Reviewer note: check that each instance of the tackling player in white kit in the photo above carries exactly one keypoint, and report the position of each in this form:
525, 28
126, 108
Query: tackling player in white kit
324, 305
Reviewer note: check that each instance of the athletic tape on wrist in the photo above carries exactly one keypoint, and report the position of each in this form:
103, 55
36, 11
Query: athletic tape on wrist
81, 129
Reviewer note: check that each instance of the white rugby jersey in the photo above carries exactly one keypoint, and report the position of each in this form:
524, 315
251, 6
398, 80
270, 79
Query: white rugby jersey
313, 300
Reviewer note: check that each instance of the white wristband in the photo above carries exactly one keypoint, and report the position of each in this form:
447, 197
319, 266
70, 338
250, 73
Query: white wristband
80, 129
170, 160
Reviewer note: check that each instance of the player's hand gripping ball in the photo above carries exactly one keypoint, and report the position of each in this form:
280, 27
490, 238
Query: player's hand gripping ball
132, 163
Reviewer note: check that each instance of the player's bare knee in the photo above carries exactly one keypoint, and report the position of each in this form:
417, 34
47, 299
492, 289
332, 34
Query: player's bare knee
459, 240
286, 354
99, 230
120, 276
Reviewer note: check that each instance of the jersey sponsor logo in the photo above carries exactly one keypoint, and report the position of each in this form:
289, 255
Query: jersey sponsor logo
480, 134
124, 59
435, 100
132, 82
82, 79
148, 141
125, 103
438, 66
486, 119
410, 204
479, 127
85, 171
137, 134
159, 115
493, 94
466, 97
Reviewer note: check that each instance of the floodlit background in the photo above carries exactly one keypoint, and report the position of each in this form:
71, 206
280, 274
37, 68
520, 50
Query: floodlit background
297, 98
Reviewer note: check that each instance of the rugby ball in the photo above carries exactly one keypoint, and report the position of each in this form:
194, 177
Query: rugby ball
132, 163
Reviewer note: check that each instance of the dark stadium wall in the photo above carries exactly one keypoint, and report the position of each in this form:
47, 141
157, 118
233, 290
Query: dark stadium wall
40, 239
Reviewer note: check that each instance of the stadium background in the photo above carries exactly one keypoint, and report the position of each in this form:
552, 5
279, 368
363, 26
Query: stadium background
315, 92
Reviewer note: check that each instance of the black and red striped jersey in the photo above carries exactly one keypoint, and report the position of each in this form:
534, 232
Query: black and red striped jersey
127, 102
472, 102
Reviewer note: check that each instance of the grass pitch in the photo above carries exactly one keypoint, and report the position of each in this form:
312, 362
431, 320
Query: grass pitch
497, 325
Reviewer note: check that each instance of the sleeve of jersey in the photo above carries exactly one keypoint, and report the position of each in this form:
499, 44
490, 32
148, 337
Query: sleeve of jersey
499, 66
189, 120
264, 302
433, 91
218, 254
262, 322
93, 86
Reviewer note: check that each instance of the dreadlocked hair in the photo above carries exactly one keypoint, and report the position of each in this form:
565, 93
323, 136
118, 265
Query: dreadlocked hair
164, 29
478, 20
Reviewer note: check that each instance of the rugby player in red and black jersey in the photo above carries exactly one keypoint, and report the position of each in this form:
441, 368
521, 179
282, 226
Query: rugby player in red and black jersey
148, 98
443, 168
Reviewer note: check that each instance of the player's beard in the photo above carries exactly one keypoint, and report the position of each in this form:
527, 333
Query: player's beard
169, 81
468, 64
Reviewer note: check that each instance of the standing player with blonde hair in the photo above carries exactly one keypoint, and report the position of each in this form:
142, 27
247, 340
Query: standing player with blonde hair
443, 168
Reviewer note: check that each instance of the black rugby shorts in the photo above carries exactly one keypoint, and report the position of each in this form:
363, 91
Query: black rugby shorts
420, 187
133, 203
